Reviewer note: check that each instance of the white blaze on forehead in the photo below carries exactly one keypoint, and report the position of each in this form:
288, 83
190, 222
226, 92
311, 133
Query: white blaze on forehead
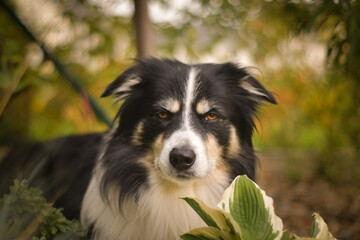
170, 104
189, 96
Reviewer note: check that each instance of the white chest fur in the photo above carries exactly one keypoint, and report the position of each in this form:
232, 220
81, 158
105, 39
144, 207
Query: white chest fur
159, 213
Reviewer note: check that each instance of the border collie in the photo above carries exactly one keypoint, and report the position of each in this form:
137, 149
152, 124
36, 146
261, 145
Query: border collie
183, 131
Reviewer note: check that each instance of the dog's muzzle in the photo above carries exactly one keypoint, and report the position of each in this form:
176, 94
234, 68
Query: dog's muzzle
182, 158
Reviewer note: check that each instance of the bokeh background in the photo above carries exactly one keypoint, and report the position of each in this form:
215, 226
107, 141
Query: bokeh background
57, 56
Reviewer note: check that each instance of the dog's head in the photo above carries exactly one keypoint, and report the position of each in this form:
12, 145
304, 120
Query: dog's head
191, 119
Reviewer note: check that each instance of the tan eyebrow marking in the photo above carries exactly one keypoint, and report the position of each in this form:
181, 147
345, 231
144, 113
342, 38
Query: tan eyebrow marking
170, 104
203, 106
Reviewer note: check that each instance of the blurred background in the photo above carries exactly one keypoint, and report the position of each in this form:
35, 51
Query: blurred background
57, 56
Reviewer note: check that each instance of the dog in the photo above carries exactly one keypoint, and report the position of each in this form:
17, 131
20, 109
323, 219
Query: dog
182, 131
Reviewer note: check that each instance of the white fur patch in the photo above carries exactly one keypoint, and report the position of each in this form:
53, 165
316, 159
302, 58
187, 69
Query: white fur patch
159, 213
201, 167
189, 96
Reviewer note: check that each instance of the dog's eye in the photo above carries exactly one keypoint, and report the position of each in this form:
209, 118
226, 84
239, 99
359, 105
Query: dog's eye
163, 115
211, 116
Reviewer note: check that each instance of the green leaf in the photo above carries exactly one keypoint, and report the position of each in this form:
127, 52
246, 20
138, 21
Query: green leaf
211, 216
319, 229
252, 209
233, 225
208, 233
24, 206
287, 236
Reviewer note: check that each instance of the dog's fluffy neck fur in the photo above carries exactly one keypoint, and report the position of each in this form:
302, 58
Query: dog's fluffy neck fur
160, 207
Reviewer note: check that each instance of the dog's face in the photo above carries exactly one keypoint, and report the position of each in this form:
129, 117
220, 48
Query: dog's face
192, 119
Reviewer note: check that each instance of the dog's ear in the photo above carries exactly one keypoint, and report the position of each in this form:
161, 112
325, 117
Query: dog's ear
244, 85
256, 91
123, 85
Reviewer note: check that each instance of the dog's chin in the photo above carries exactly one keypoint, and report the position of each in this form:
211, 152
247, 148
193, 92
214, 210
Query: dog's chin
182, 178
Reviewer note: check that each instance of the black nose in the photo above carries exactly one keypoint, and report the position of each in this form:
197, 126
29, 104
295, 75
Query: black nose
182, 158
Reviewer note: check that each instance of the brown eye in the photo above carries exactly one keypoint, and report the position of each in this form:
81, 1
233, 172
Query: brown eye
163, 115
211, 117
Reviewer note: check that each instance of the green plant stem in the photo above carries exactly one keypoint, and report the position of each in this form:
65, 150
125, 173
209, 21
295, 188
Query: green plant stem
31, 228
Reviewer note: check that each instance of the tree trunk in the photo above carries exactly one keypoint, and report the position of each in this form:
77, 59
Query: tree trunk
143, 29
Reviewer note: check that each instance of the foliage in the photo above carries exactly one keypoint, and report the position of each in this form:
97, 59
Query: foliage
25, 214
246, 213
337, 23
85, 43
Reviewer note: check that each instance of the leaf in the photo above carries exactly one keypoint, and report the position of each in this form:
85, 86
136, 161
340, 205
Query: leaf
208, 233
211, 216
287, 236
319, 229
252, 209
233, 225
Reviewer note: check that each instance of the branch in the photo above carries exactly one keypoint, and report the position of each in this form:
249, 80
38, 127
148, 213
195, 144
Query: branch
142, 28
60, 67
